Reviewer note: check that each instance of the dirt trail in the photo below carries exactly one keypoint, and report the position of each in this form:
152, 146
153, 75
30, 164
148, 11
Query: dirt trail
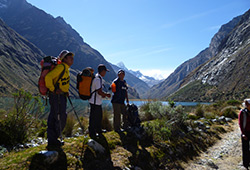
225, 154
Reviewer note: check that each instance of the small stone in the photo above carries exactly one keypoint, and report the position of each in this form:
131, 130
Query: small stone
207, 127
214, 120
222, 118
229, 119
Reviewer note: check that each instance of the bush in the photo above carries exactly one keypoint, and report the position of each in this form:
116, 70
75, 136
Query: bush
229, 112
146, 115
199, 111
42, 129
68, 130
234, 102
171, 103
209, 115
193, 117
162, 129
21, 121
154, 109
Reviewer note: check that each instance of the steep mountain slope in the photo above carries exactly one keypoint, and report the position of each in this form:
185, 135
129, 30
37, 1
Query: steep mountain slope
140, 86
226, 75
172, 83
50, 34
19, 66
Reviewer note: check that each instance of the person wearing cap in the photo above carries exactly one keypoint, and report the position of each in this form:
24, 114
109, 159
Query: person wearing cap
95, 117
57, 81
119, 88
244, 123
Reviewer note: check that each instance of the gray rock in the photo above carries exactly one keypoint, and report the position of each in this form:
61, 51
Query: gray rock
214, 120
229, 119
96, 146
212, 164
222, 118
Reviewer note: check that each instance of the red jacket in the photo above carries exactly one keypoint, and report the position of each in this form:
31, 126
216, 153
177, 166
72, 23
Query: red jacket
244, 121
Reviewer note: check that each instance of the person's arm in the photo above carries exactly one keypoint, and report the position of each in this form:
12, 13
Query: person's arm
102, 93
127, 96
51, 76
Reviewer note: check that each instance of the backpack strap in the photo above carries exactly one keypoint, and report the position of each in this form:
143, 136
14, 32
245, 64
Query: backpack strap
60, 77
97, 89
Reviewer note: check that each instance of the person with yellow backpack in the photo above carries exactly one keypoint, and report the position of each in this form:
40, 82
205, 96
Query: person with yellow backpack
57, 81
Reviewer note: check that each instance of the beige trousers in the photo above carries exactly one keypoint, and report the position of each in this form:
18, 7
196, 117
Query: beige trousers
119, 109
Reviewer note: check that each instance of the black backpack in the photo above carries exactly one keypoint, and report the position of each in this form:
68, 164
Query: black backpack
133, 115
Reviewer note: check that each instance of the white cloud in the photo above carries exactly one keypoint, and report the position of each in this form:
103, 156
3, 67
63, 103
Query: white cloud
157, 73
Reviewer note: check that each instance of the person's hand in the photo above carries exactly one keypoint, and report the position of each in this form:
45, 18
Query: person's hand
108, 95
244, 137
127, 102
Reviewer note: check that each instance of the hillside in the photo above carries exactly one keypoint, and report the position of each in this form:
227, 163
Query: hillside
225, 76
19, 66
173, 82
50, 34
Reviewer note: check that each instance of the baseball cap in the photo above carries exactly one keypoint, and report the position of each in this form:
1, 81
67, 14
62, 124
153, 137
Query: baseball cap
102, 67
64, 53
121, 71
244, 103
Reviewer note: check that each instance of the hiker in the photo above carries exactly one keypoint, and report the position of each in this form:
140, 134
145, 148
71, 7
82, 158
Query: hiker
95, 117
119, 88
244, 122
58, 92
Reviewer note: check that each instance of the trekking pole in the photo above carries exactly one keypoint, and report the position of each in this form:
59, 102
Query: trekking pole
76, 115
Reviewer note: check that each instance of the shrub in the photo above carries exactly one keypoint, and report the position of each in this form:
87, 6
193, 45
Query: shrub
171, 103
68, 130
145, 113
42, 129
209, 115
154, 109
199, 111
229, 112
21, 121
193, 117
233, 102
171, 122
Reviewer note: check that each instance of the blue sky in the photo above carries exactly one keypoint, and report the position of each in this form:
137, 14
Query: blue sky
154, 36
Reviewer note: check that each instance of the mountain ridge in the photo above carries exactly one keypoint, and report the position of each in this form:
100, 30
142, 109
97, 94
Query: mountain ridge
223, 77
52, 35
172, 83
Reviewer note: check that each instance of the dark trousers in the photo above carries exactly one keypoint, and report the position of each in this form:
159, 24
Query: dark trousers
95, 119
245, 150
58, 104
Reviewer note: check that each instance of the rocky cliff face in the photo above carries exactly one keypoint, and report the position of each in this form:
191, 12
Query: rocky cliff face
50, 34
226, 75
173, 82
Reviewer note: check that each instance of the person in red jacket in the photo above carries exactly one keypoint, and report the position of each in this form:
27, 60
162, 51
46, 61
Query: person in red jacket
244, 122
